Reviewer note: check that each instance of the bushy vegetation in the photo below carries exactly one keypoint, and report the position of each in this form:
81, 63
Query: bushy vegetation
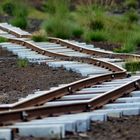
132, 16
8, 7
94, 24
131, 3
88, 22
98, 36
77, 31
132, 65
58, 28
61, 24
39, 36
19, 22
18, 11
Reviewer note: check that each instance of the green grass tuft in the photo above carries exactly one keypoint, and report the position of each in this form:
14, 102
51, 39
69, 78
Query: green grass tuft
77, 31
39, 36
132, 65
98, 36
22, 63
132, 16
2, 39
96, 24
8, 7
131, 3
19, 22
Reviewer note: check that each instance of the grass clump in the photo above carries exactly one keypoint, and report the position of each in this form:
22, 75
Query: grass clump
126, 48
96, 24
98, 36
39, 36
55, 7
132, 65
18, 11
22, 63
19, 22
77, 31
92, 22
59, 23
2, 39
131, 3
8, 7
132, 16
59, 28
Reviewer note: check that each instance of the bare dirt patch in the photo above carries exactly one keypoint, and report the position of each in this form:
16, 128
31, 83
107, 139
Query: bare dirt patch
17, 82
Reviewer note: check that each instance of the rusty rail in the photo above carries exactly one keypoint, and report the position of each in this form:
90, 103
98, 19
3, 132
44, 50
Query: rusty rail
92, 52
118, 72
93, 61
38, 112
33, 108
61, 91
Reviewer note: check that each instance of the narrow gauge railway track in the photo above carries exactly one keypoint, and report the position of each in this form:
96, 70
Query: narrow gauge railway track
47, 97
51, 53
81, 96
37, 100
91, 50
18, 33
34, 118
97, 98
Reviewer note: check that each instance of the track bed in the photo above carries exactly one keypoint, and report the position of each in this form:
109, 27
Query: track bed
17, 82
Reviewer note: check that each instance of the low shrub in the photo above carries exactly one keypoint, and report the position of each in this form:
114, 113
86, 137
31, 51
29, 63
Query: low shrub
8, 7
132, 16
131, 3
96, 24
59, 28
126, 48
137, 41
86, 36
132, 65
19, 12
49, 6
39, 36
22, 63
98, 36
77, 31
55, 7
19, 22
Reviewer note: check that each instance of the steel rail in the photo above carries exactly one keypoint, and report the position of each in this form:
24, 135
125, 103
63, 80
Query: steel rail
25, 114
92, 52
93, 61
35, 48
118, 72
61, 91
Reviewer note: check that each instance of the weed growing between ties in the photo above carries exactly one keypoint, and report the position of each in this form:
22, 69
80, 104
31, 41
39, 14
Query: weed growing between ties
22, 63
39, 36
132, 65
2, 39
